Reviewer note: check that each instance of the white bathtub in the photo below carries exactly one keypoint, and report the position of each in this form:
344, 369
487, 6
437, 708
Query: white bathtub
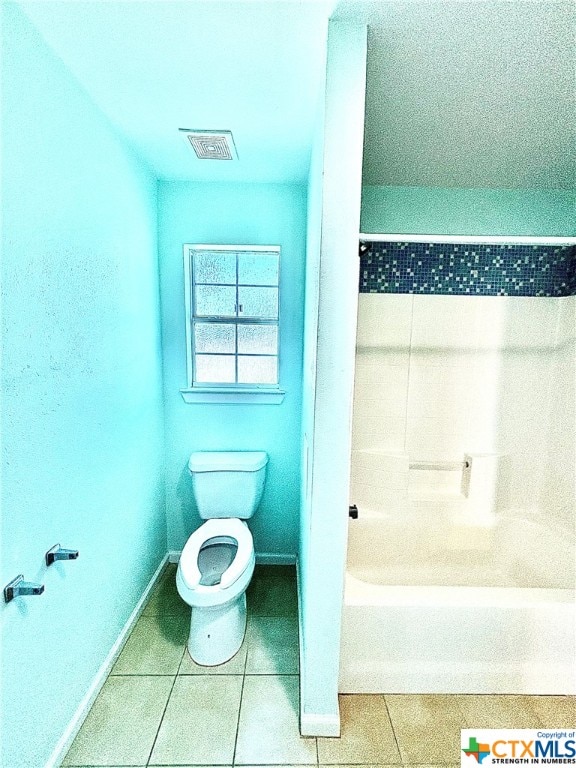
440, 604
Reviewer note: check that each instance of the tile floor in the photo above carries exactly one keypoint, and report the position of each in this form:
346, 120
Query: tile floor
158, 708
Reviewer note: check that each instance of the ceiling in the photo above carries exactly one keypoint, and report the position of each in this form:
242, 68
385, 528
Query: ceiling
470, 94
154, 66
460, 93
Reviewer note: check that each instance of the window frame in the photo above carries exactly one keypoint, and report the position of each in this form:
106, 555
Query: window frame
226, 388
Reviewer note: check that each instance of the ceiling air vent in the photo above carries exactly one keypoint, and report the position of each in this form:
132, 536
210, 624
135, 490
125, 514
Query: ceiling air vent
211, 145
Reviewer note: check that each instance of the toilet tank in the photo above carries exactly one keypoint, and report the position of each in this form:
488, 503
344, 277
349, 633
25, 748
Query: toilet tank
228, 483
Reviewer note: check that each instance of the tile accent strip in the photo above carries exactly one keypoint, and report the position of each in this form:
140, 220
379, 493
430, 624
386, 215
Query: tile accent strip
477, 270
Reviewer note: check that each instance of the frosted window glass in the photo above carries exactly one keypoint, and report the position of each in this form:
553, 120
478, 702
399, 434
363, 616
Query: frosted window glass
214, 267
258, 302
215, 301
258, 268
257, 370
261, 339
215, 337
215, 369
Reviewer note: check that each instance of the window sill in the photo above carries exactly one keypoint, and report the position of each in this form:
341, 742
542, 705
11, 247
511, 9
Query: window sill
233, 396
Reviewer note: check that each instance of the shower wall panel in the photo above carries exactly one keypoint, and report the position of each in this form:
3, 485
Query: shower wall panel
441, 376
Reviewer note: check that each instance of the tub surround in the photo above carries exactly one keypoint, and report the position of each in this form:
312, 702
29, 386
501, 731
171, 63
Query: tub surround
435, 569
441, 376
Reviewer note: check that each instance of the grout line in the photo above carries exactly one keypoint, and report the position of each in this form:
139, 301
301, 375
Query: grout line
161, 720
407, 400
239, 709
400, 755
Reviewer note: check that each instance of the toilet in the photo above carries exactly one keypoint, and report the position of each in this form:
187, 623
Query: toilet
217, 561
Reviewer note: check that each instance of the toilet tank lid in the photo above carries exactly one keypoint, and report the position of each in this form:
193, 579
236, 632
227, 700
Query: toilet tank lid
227, 461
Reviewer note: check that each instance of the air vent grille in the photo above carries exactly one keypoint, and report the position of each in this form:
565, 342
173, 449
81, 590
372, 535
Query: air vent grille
211, 145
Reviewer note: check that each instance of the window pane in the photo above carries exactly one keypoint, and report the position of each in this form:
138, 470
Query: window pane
258, 302
214, 267
257, 370
215, 369
215, 301
215, 337
256, 268
261, 339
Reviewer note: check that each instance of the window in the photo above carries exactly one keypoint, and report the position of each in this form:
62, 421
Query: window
232, 300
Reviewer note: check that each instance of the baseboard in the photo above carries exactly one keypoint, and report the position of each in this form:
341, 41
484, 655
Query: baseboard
275, 558
300, 638
319, 725
262, 558
311, 724
79, 716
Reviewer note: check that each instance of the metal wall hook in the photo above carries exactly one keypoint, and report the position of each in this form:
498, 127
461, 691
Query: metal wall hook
57, 553
18, 587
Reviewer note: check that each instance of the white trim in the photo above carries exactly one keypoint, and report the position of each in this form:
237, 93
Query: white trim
211, 247
188, 310
319, 725
311, 724
300, 636
225, 394
233, 396
275, 558
101, 676
473, 239
262, 558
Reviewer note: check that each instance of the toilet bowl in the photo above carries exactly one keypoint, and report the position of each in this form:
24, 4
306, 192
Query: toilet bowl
217, 561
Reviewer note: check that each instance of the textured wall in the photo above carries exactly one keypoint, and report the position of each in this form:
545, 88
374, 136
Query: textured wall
457, 211
257, 214
82, 431
332, 381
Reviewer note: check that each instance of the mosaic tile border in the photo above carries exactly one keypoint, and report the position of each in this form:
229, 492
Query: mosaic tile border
477, 270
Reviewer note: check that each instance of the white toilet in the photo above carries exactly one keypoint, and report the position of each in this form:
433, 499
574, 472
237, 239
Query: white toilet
217, 561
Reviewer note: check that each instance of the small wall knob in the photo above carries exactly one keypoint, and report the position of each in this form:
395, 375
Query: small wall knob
57, 553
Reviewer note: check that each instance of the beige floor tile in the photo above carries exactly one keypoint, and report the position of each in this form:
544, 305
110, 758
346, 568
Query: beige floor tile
272, 646
268, 732
165, 598
200, 722
233, 667
366, 733
427, 727
155, 646
555, 711
495, 711
121, 726
270, 595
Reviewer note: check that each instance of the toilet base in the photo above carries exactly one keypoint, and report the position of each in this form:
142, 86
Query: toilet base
216, 633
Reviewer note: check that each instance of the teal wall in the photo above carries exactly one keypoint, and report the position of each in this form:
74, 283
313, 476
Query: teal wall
82, 409
253, 214
333, 225
443, 211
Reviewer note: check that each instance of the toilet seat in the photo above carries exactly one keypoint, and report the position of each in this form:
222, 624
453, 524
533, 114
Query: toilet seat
227, 527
